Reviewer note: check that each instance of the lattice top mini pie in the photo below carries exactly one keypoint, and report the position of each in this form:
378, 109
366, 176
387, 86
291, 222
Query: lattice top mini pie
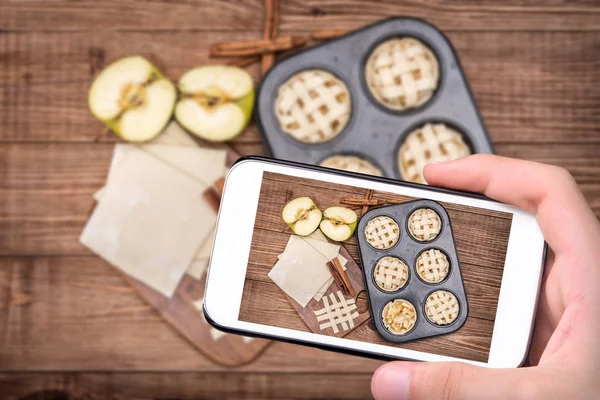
402, 73
429, 143
441, 307
390, 273
313, 106
424, 224
382, 232
399, 316
352, 164
433, 266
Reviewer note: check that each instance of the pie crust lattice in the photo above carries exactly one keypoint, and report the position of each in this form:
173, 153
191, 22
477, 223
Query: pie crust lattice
390, 273
402, 73
442, 307
399, 316
313, 106
340, 312
424, 224
352, 164
382, 232
433, 266
429, 143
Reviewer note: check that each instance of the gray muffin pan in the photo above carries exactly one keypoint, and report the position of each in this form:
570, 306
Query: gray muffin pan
373, 132
415, 290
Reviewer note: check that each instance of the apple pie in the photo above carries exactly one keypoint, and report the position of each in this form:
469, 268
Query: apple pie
352, 164
424, 224
402, 73
429, 143
433, 266
313, 106
382, 232
399, 316
390, 273
442, 308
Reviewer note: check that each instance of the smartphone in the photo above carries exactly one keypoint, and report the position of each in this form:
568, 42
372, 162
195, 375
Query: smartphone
262, 275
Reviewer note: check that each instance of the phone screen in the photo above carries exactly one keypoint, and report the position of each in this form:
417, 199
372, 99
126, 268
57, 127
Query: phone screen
290, 283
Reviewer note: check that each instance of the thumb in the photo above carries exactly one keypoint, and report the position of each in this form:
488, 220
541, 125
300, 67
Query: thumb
406, 380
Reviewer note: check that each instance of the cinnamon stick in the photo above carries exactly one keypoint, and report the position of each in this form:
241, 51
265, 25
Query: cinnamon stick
327, 34
344, 277
213, 198
219, 185
355, 201
270, 31
244, 62
255, 47
392, 201
337, 278
367, 197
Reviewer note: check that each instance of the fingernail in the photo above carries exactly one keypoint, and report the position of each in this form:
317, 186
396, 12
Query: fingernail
391, 382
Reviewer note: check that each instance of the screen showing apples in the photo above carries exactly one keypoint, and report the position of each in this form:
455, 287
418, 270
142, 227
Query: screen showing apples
304, 217
136, 101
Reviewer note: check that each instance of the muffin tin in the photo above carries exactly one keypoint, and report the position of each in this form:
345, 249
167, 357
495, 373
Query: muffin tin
417, 287
374, 132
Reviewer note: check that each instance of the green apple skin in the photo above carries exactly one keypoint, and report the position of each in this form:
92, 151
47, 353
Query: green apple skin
206, 122
114, 123
335, 227
246, 105
302, 216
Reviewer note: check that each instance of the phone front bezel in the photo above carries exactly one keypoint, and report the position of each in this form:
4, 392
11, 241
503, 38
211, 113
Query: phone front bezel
225, 282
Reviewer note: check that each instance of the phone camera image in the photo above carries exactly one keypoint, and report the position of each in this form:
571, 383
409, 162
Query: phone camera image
402, 272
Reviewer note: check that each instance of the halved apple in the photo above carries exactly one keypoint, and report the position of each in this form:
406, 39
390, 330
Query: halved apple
338, 223
216, 101
302, 216
133, 99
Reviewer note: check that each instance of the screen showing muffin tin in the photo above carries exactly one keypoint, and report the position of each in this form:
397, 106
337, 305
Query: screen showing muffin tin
411, 271
384, 100
375, 267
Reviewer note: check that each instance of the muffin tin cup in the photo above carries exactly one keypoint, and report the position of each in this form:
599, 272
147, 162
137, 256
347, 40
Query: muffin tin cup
415, 290
373, 132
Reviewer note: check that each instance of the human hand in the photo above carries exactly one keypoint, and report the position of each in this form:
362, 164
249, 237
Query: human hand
565, 349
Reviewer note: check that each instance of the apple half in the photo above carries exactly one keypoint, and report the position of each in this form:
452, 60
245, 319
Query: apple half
302, 216
216, 101
338, 223
133, 99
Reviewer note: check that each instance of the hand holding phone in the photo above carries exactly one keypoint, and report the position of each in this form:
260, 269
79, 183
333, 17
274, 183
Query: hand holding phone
565, 350
435, 275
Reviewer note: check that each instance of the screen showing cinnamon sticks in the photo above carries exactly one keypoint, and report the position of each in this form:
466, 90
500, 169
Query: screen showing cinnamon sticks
376, 267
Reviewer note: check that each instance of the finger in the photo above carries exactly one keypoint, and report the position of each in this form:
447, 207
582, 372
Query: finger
415, 381
545, 190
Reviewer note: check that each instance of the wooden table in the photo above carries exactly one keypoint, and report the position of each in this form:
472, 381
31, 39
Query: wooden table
69, 323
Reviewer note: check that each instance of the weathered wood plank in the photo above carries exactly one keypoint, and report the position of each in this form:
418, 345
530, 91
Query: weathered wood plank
210, 16
50, 304
477, 14
531, 86
46, 189
185, 385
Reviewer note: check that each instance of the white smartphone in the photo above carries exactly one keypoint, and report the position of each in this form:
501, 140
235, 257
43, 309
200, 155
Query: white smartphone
267, 281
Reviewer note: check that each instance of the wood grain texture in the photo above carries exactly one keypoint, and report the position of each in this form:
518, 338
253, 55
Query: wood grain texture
481, 239
530, 86
210, 16
75, 313
184, 385
179, 310
532, 68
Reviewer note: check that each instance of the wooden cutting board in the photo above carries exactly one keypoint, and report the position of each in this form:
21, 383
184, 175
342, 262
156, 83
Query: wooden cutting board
181, 313
355, 276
